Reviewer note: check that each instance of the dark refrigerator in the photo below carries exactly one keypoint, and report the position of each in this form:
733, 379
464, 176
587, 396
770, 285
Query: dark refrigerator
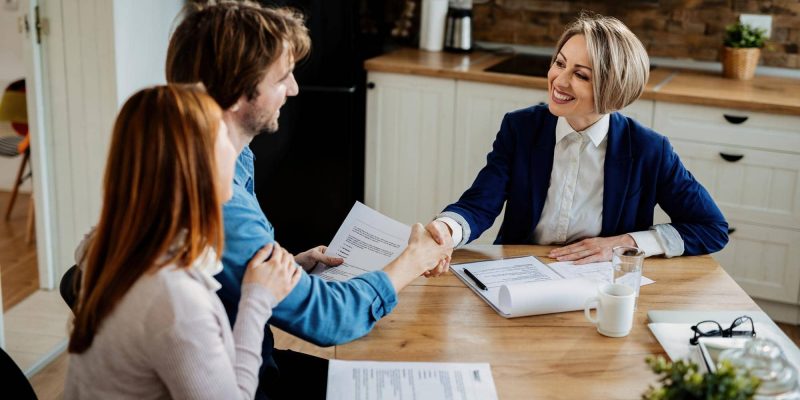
310, 172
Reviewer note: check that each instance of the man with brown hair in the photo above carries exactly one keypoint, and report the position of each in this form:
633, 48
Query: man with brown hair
244, 55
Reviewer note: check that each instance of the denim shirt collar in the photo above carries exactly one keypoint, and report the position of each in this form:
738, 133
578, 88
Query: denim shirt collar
243, 176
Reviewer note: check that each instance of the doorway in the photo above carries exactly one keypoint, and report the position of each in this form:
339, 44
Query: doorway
33, 325
81, 63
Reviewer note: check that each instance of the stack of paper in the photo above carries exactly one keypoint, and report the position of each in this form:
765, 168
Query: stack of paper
377, 380
522, 286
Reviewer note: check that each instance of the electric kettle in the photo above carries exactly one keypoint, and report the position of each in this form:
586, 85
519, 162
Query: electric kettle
458, 27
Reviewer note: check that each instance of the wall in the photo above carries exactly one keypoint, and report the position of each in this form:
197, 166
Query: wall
141, 53
668, 28
96, 54
12, 67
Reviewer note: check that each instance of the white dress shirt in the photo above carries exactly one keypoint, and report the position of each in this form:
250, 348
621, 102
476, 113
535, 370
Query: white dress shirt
573, 209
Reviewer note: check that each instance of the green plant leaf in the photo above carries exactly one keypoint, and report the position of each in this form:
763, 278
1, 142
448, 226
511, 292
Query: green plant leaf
740, 35
682, 380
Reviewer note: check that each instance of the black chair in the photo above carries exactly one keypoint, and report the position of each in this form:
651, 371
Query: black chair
14, 381
70, 286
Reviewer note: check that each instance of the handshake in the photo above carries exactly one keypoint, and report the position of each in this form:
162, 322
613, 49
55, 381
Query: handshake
431, 247
427, 253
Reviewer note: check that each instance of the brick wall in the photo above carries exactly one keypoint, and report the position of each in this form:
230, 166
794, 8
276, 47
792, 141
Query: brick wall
668, 28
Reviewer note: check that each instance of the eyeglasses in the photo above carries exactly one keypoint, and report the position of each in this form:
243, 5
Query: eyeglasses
713, 328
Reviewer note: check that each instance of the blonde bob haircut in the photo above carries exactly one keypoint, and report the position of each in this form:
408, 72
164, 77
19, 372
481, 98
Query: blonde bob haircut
620, 65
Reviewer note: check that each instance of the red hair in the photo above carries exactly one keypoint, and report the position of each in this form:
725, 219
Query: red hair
160, 204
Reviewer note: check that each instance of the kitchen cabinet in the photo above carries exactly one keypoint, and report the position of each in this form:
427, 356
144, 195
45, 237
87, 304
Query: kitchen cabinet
479, 109
409, 146
750, 163
763, 261
641, 110
756, 186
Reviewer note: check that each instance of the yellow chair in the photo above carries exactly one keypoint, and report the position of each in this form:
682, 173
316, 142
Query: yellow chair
13, 108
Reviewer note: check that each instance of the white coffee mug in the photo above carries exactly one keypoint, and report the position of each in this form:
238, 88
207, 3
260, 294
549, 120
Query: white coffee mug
614, 309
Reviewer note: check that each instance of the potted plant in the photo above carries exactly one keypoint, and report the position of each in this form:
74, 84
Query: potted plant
742, 49
683, 380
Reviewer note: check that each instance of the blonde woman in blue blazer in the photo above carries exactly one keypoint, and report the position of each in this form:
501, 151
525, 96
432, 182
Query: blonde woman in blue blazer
577, 174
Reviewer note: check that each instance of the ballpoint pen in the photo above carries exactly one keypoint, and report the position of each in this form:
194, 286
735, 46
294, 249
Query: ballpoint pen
475, 278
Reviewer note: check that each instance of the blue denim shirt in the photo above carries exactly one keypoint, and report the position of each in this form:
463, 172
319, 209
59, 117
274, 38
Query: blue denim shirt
323, 313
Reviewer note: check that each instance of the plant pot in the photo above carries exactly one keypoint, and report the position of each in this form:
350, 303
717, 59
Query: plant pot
740, 63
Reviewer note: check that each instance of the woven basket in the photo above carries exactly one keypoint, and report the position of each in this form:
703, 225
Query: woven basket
740, 63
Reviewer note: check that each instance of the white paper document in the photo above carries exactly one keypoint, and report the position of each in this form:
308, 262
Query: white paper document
600, 271
379, 380
522, 286
367, 241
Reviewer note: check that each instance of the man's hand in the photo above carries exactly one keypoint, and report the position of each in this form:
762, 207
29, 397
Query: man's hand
591, 250
443, 237
309, 258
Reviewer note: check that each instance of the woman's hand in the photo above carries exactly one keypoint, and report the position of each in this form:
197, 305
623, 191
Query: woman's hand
440, 232
591, 250
423, 249
309, 258
273, 268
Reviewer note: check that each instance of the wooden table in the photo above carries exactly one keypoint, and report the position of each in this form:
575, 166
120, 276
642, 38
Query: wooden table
556, 356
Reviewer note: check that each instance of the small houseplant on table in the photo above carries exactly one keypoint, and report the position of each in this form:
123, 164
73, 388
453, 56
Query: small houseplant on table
682, 380
742, 50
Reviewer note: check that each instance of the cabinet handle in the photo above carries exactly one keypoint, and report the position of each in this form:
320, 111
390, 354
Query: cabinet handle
731, 157
731, 230
735, 119
371, 85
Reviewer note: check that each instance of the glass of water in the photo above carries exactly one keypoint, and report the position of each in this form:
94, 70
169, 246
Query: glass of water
627, 264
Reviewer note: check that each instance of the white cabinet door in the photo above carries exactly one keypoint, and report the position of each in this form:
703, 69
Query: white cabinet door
641, 111
750, 163
409, 145
761, 187
727, 126
480, 108
763, 260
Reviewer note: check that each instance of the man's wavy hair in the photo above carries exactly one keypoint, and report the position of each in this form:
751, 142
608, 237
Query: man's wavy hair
229, 45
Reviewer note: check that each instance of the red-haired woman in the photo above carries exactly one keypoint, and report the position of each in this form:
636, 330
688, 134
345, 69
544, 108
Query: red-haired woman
148, 323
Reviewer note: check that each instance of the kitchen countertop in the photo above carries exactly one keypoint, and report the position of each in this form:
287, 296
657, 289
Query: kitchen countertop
763, 93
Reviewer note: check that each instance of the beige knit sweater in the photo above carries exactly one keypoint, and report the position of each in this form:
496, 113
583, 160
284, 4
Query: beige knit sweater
170, 337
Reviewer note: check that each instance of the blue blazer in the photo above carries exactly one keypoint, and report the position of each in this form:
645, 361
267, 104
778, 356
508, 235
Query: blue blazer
641, 170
